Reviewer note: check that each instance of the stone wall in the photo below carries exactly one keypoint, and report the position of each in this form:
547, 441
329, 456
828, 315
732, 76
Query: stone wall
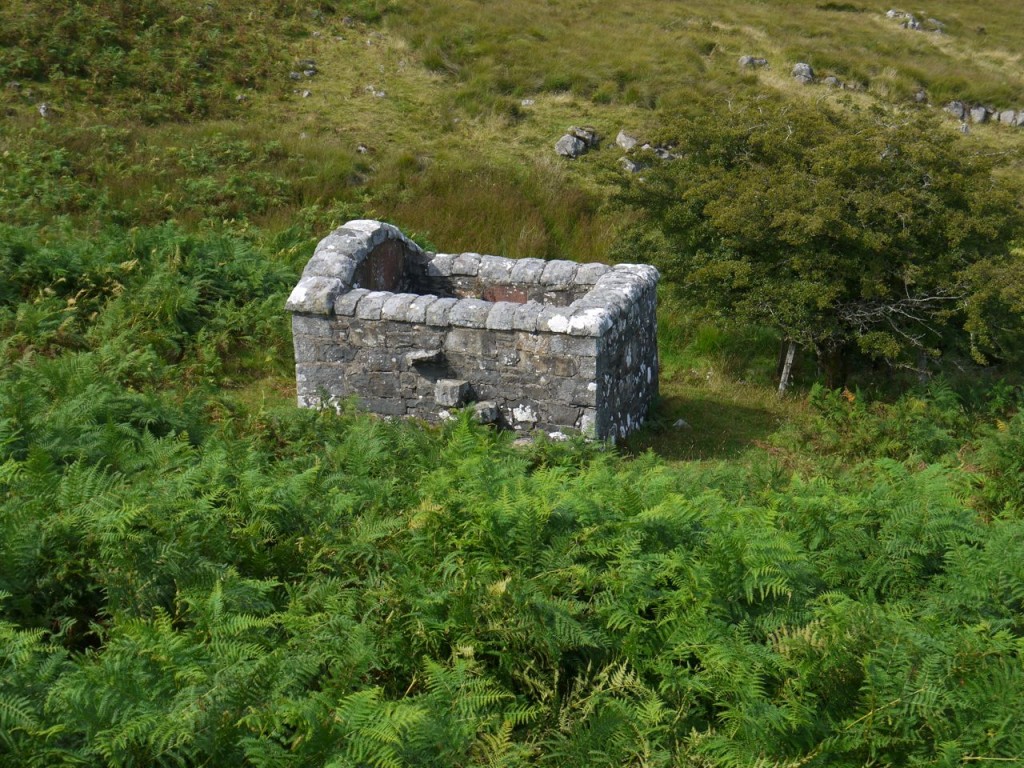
550, 345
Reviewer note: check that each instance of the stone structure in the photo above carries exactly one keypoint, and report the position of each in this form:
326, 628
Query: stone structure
550, 345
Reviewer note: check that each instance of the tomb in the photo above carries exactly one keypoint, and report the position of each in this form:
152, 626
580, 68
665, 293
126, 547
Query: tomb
554, 345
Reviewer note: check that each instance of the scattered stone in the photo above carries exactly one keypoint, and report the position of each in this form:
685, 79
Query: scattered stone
965, 128
1007, 117
626, 141
630, 165
362, 149
306, 94
921, 96
295, 75
241, 97
980, 114
957, 109
587, 135
832, 82
558, 436
308, 67
348, 21
13, 85
570, 146
803, 73
682, 424
372, 90
911, 23
527, 103
753, 62
45, 111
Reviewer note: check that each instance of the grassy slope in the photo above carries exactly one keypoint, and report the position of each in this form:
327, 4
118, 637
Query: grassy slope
456, 157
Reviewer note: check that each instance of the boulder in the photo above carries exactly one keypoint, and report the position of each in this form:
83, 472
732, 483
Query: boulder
630, 165
1007, 117
753, 62
585, 134
980, 114
570, 146
803, 73
957, 109
832, 82
626, 141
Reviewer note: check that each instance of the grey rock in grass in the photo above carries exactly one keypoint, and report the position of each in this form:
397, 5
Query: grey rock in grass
957, 109
803, 73
626, 141
921, 96
980, 114
753, 62
587, 135
45, 111
629, 165
832, 82
1007, 117
570, 146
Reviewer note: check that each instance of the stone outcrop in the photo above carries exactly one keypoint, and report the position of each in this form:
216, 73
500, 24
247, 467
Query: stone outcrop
546, 345
577, 142
803, 73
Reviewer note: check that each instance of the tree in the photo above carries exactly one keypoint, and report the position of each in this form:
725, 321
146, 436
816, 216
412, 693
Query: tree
842, 229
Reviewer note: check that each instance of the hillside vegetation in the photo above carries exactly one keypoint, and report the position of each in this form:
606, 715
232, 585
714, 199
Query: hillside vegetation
195, 572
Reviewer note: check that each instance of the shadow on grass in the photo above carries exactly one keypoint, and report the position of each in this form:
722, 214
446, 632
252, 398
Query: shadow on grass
718, 428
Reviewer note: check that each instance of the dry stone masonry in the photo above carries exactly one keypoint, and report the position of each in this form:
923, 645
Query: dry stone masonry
536, 345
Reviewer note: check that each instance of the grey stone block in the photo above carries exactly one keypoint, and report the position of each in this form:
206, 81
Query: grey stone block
559, 272
486, 412
528, 270
397, 307
466, 264
437, 313
553, 320
470, 313
418, 309
525, 316
451, 393
370, 305
502, 316
345, 304
496, 269
588, 274
440, 265
314, 295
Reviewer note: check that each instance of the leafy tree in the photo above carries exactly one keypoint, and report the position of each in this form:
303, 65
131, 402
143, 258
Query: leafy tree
841, 229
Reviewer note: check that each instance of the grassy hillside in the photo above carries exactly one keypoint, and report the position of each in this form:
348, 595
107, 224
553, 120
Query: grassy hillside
195, 572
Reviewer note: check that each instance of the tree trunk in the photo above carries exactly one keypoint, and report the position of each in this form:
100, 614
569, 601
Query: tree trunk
787, 367
833, 359
923, 374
